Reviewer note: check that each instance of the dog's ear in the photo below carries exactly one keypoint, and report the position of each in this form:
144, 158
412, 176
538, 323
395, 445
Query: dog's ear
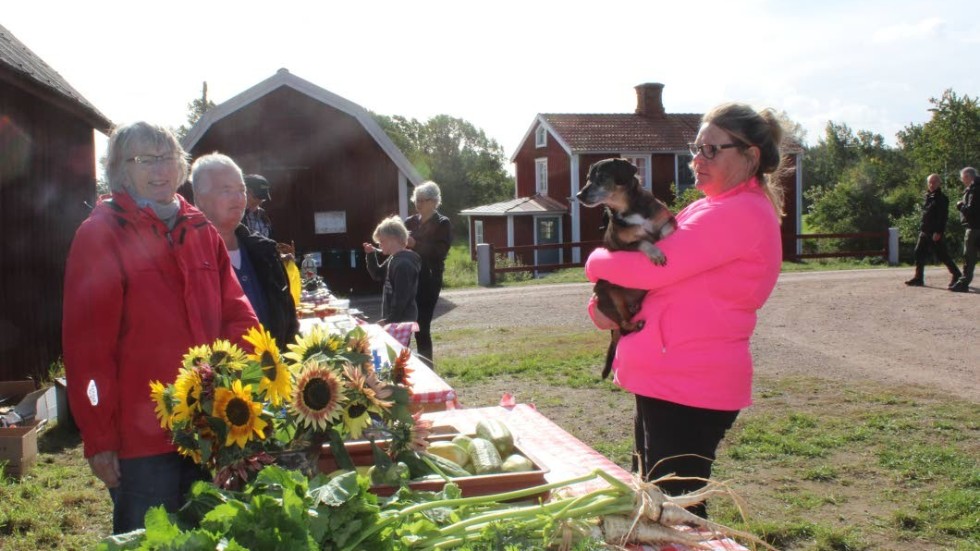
623, 171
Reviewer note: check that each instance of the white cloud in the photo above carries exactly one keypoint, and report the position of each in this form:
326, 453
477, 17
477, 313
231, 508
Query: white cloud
909, 31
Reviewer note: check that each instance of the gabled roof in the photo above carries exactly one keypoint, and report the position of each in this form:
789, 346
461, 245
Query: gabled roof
537, 204
284, 78
23, 68
623, 132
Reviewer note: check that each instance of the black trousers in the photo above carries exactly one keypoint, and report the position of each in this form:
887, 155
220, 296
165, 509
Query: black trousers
680, 440
426, 297
923, 246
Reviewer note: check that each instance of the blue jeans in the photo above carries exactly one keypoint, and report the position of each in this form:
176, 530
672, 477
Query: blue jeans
150, 481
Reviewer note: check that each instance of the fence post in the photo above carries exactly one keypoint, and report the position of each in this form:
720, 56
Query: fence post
893, 246
484, 267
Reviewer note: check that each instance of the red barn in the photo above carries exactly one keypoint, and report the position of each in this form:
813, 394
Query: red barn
47, 187
334, 172
553, 159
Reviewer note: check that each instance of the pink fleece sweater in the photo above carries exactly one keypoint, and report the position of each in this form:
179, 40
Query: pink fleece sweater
722, 264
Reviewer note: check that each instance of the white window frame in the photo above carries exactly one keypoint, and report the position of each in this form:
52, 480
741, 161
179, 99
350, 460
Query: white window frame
677, 171
541, 136
643, 165
541, 175
478, 232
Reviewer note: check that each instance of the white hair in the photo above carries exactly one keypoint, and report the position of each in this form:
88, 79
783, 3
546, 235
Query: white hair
206, 164
427, 190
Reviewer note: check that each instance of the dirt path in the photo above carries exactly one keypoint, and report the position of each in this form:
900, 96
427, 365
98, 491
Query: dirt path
848, 325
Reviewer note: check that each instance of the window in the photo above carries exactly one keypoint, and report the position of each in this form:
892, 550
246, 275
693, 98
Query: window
478, 232
641, 169
541, 176
684, 176
540, 136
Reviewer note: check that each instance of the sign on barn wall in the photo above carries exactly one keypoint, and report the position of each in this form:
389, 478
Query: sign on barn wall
334, 221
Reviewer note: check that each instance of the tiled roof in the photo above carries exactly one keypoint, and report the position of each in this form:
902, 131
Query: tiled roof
26, 65
522, 205
624, 132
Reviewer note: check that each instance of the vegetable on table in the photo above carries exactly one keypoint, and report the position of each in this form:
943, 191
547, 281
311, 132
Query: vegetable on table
284, 510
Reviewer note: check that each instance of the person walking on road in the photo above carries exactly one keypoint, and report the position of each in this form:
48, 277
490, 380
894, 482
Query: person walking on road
935, 212
969, 208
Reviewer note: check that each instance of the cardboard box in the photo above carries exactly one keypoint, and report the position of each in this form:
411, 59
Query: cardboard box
12, 392
18, 448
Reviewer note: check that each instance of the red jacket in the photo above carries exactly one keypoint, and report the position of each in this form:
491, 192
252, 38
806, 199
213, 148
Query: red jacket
136, 298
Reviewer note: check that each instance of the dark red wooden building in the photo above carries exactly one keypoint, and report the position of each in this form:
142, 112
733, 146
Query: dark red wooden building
334, 172
47, 182
552, 162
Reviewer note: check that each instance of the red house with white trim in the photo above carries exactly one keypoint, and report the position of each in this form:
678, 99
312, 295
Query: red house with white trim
552, 162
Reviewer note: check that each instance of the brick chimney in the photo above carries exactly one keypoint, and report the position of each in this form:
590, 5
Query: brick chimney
650, 101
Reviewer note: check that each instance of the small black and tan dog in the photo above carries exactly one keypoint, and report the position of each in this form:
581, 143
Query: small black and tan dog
637, 220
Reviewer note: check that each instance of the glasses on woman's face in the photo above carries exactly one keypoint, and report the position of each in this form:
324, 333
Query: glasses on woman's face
709, 151
151, 160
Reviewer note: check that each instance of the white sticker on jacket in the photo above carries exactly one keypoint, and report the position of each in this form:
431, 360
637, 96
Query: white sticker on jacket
93, 393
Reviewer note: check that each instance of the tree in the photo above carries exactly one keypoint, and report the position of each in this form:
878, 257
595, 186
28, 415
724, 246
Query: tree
949, 141
195, 110
467, 165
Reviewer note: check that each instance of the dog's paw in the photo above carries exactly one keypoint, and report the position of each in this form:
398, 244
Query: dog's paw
654, 253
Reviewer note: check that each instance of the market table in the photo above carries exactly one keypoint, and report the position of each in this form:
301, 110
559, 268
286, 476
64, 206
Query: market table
430, 392
554, 449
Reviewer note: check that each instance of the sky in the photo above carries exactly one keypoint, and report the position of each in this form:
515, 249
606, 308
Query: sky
872, 65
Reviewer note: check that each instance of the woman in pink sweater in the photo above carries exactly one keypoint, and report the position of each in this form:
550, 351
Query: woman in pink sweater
690, 366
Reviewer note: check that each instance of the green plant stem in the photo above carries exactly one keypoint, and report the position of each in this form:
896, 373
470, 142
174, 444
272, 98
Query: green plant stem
340, 454
486, 499
537, 518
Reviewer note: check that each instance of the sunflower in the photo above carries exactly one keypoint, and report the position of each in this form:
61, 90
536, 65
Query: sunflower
318, 341
359, 343
400, 372
226, 354
318, 395
356, 417
242, 416
187, 392
381, 390
196, 356
162, 395
358, 383
276, 382
192, 454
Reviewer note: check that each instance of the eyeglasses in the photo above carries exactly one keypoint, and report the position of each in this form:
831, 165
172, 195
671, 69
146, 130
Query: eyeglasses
150, 160
709, 151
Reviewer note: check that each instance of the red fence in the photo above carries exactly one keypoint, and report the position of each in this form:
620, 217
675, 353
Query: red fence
586, 247
883, 251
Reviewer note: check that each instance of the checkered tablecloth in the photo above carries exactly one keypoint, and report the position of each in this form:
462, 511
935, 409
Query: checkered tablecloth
554, 449
402, 332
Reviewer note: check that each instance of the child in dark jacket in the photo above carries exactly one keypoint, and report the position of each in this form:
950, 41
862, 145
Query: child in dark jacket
401, 274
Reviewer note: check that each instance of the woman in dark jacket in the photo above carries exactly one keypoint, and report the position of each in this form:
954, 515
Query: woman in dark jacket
430, 235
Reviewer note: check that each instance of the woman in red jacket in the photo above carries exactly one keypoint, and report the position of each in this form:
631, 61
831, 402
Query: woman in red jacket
147, 278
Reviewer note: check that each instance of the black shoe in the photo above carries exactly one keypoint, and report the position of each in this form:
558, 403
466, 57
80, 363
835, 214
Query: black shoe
952, 282
960, 287
914, 282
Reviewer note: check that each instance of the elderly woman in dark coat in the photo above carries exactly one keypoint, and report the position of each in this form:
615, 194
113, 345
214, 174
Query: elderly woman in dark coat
430, 234
146, 279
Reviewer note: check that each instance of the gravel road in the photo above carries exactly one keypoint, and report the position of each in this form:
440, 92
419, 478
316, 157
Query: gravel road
846, 325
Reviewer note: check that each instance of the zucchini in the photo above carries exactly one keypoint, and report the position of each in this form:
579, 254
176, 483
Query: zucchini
463, 441
449, 468
496, 432
516, 463
449, 451
485, 457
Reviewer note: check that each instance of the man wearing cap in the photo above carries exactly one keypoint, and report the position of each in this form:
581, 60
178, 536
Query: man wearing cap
256, 219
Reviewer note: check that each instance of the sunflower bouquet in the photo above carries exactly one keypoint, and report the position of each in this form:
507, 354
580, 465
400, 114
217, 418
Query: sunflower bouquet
234, 412
345, 391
